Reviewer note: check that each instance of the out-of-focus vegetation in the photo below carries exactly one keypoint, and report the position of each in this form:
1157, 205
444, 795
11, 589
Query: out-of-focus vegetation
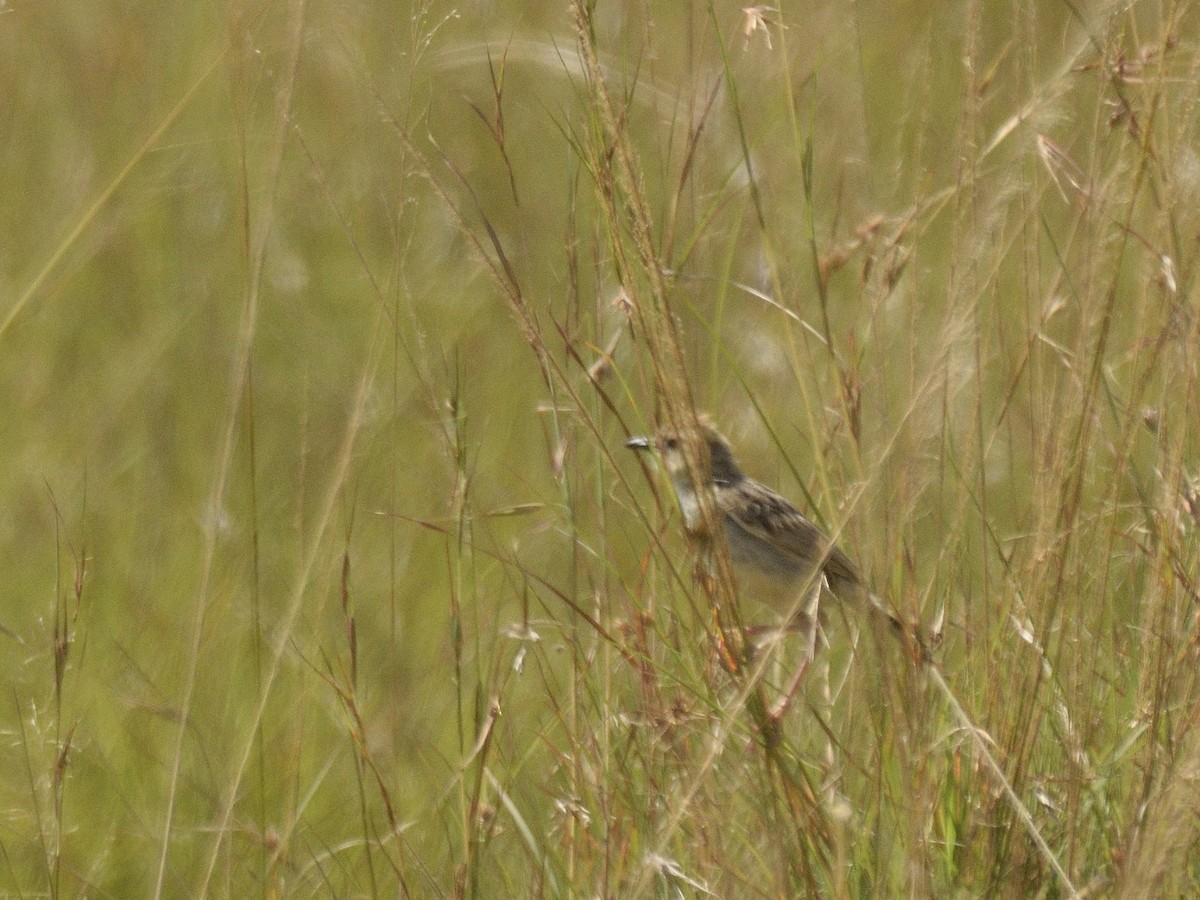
322, 327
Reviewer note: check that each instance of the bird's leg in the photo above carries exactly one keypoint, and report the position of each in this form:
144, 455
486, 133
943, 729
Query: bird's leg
810, 625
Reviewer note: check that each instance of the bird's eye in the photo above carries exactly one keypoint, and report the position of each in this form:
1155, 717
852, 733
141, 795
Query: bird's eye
670, 443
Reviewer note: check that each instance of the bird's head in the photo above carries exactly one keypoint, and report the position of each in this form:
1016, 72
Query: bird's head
715, 456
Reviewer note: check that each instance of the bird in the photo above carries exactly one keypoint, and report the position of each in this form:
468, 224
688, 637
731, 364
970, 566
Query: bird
770, 540
779, 556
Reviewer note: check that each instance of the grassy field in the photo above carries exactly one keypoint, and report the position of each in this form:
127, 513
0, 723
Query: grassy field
326, 573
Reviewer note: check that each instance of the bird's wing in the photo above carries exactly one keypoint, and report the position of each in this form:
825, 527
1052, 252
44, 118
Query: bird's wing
763, 513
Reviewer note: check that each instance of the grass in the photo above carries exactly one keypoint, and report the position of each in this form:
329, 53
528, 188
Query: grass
328, 574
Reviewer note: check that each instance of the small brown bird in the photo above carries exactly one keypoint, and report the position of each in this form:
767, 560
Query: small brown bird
774, 548
772, 543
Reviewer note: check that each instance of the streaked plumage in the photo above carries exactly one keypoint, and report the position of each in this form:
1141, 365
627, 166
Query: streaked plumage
774, 548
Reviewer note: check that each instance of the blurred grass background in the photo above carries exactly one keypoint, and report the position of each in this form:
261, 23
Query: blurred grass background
321, 328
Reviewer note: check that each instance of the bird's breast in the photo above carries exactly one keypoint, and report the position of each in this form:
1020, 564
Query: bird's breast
689, 505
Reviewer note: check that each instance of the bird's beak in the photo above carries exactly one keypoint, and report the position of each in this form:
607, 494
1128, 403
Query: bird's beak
638, 443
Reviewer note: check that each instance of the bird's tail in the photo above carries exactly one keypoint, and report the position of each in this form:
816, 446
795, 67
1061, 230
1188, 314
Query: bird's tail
908, 632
